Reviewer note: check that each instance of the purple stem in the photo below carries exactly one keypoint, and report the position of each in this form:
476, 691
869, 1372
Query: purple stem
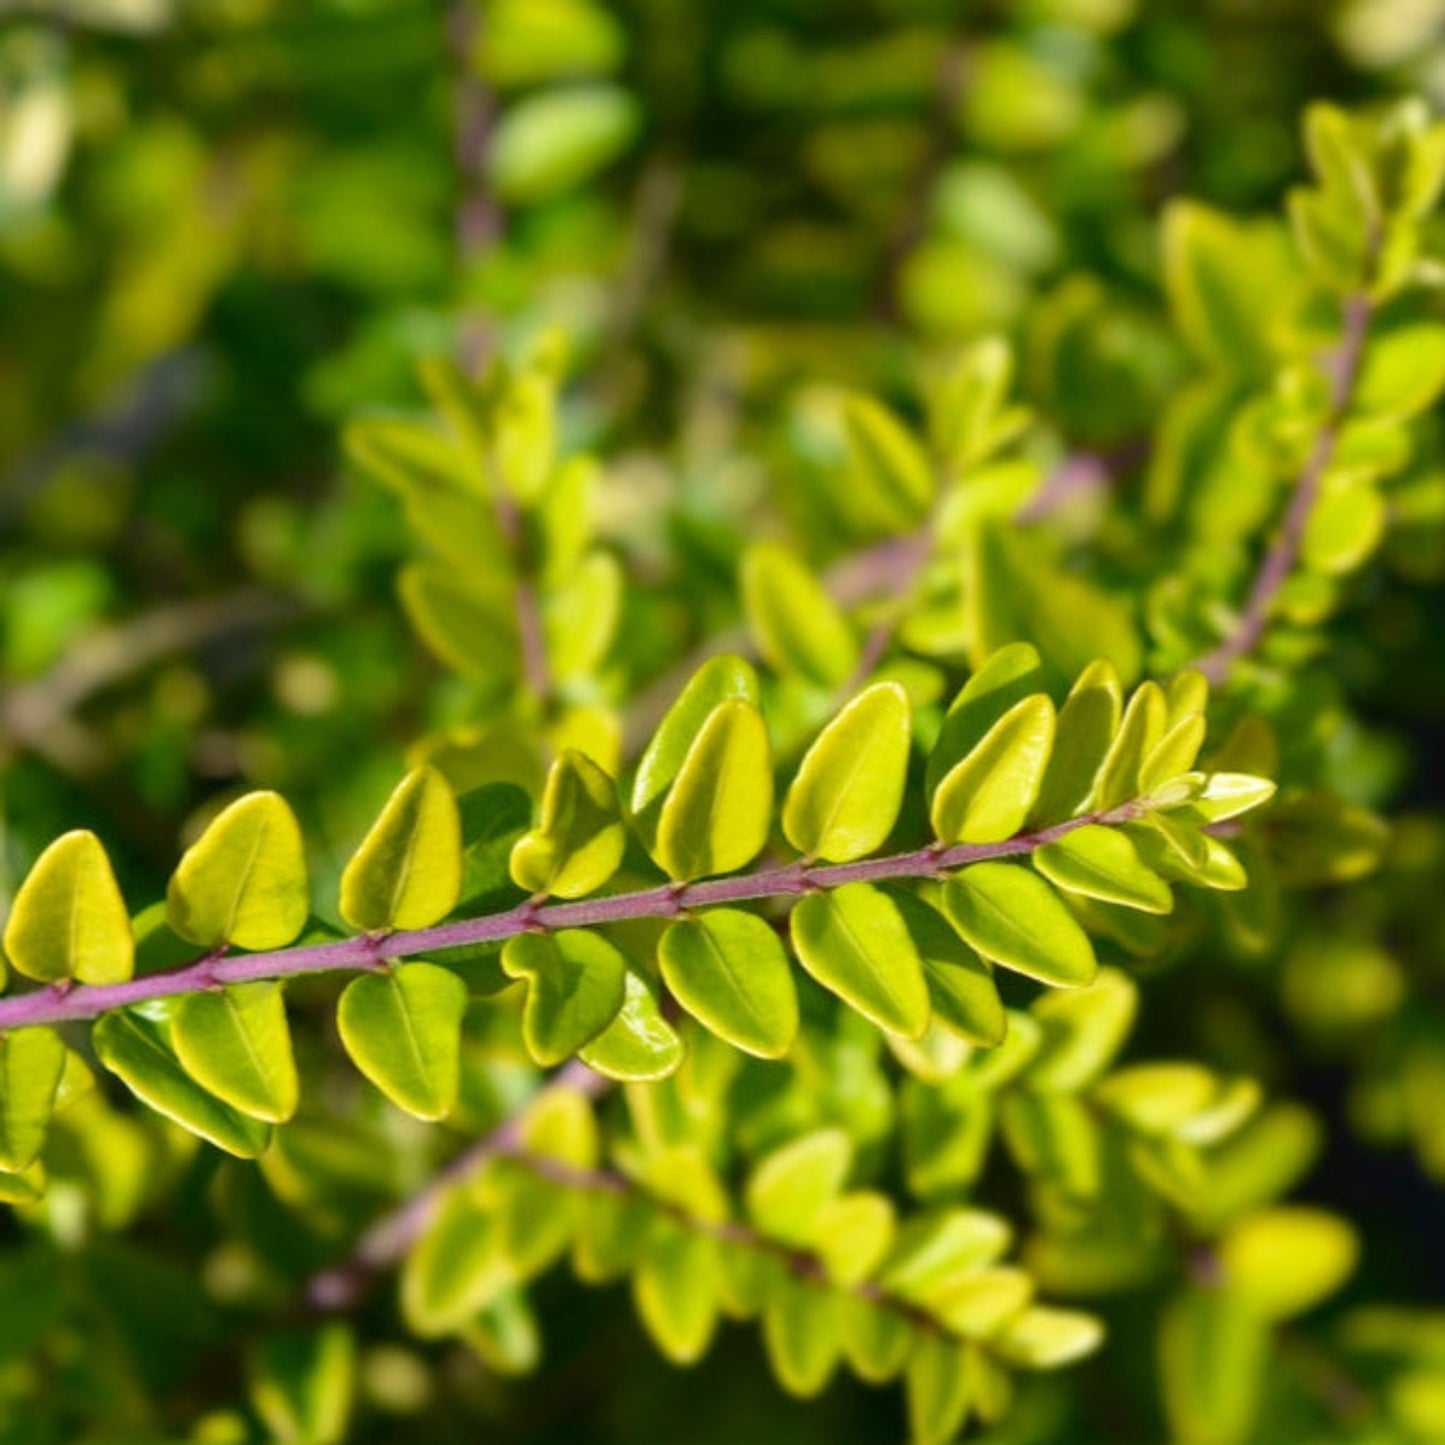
389, 1239
1280, 560
60, 1003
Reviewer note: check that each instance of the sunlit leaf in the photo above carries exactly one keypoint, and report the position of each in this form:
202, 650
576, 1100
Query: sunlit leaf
407, 873
69, 920
402, 1029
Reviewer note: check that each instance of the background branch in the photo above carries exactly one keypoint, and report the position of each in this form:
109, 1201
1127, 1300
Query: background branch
1279, 560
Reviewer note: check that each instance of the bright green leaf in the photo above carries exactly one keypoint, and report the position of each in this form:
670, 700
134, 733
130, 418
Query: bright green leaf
578, 843
407, 873
1083, 1029
1013, 917
676, 1291
787, 1191
852, 1234
937, 1391
719, 680
854, 941
455, 1268
580, 616
845, 799
1008, 677
558, 138
69, 919
729, 969
1102, 863
933, 1249
576, 985
1285, 1261
888, 464
1344, 528
800, 1333
1227, 795
796, 624
977, 1304
877, 1341
402, 1029
1214, 1353
1086, 726
235, 1042
1046, 1339
1403, 371
31, 1064
960, 985
639, 1045
986, 797
1140, 732
1173, 755
468, 621
243, 881
718, 812
136, 1049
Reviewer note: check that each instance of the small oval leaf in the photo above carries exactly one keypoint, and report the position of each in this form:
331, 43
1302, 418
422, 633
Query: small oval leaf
1005, 679
69, 919
31, 1064
137, 1050
1139, 733
717, 814
796, 624
729, 970
961, 986
986, 797
717, 681
1086, 726
853, 940
639, 1045
1102, 863
578, 843
407, 873
849, 788
576, 985
243, 881
1014, 918
402, 1029
235, 1042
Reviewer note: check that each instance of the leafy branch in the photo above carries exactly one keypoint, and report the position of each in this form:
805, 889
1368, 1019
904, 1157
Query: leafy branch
1111, 814
1283, 554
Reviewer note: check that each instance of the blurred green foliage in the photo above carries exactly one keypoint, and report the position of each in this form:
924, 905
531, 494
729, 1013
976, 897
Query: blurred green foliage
767, 292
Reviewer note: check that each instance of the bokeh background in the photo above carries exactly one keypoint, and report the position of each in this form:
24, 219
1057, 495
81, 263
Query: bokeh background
229, 227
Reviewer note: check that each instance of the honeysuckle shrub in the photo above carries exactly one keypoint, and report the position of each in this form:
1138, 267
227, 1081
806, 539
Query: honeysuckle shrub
653, 791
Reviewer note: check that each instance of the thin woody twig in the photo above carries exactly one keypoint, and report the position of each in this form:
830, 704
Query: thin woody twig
1279, 560
370, 952
388, 1241
390, 1238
